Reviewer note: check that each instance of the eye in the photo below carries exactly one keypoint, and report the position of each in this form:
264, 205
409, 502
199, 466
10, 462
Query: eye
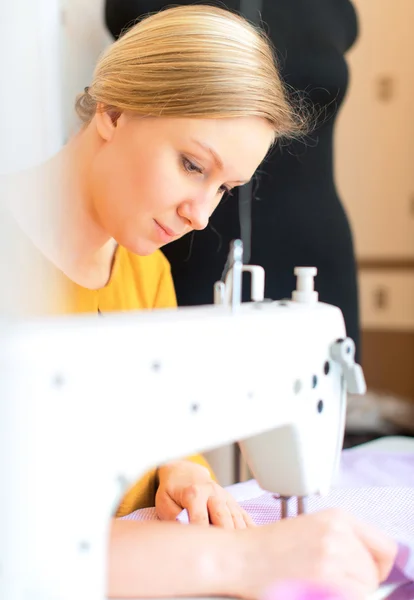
189, 166
225, 190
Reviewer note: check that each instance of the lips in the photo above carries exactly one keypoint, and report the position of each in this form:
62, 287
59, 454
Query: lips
167, 230
164, 234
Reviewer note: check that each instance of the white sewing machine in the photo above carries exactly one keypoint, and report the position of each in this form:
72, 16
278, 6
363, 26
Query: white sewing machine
88, 405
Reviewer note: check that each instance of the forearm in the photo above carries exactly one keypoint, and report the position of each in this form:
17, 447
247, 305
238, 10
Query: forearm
167, 559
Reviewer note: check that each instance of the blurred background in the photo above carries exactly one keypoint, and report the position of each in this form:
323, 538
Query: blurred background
58, 44
375, 176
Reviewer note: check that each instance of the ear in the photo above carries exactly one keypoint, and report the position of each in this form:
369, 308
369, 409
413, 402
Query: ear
106, 119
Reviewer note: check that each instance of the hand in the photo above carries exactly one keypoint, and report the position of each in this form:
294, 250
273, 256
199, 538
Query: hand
184, 484
329, 548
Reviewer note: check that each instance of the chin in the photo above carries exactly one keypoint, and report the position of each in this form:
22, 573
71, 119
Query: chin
140, 247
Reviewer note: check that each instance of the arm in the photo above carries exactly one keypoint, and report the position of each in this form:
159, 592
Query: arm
156, 559
330, 548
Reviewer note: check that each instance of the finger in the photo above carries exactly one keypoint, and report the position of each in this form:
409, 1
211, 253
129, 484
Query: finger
165, 507
247, 519
238, 518
219, 513
382, 548
195, 500
360, 567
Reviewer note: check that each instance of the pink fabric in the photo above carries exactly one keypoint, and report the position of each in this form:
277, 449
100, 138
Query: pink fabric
144, 514
372, 468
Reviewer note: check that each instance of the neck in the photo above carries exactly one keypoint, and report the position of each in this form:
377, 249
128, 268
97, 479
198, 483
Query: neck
53, 206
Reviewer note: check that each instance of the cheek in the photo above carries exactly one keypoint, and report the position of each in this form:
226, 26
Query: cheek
161, 182
132, 185
114, 182
217, 202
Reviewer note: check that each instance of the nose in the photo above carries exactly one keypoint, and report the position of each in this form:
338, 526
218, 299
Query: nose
196, 213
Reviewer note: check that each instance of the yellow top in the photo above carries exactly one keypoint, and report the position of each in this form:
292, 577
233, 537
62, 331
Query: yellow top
137, 282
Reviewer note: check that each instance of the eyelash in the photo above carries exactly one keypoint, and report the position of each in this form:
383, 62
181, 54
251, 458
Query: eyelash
190, 168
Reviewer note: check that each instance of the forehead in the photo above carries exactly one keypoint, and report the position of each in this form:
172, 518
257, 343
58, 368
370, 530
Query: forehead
240, 143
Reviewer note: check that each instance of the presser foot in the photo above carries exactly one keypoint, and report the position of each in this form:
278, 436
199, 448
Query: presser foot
284, 504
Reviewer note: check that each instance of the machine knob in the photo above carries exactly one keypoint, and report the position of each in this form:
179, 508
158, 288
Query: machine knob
305, 285
343, 352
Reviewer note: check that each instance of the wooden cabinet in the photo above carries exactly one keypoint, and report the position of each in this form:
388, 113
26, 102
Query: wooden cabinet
375, 132
375, 176
387, 315
387, 299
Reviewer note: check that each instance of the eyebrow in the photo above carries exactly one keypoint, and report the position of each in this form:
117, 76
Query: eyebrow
218, 161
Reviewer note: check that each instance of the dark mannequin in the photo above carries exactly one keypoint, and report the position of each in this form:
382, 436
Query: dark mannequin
297, 217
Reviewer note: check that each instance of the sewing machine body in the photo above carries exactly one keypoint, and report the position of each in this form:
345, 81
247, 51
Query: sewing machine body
89, 404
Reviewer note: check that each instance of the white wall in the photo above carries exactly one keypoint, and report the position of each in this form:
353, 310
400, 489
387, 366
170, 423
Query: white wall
84, 38
48, 49
30, 99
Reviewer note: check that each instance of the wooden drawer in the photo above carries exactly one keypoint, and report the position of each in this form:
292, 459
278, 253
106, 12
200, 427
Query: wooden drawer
387, 300
388, 362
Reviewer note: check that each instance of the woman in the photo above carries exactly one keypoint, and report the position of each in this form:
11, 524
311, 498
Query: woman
180, 110
296, 215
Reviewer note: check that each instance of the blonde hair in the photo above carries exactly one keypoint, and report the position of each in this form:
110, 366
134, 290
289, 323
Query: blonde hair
196, 62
